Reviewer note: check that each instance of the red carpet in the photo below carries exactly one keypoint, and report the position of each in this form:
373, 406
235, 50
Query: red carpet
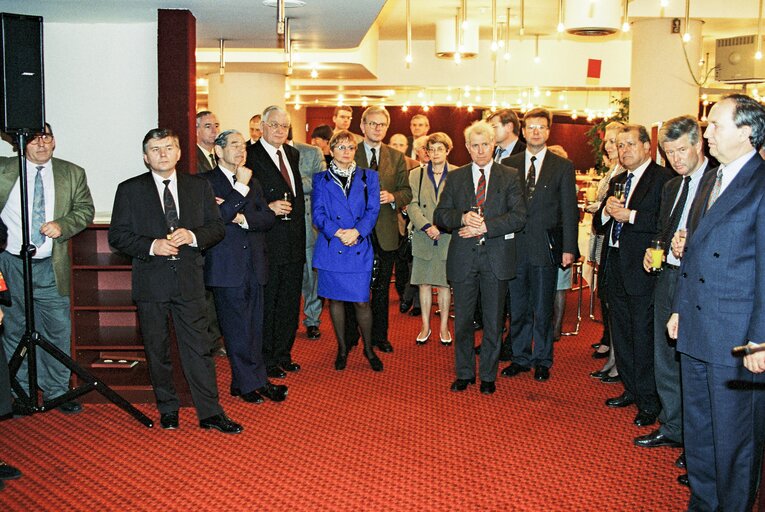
357, 440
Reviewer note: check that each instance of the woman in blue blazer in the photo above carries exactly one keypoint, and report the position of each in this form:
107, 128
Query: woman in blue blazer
345, 201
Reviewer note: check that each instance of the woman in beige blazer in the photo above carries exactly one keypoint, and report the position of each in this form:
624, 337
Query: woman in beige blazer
429, 244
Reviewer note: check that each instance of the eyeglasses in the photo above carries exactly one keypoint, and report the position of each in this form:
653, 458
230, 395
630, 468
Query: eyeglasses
539, 127
437, 149
374, 125
346, 148
46, 138
482, 146
274, 125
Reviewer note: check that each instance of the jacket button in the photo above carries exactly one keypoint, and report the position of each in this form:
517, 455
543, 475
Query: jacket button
685, 274
716, 255
339, 252
358, 252
698, 307
701, 280
338, 217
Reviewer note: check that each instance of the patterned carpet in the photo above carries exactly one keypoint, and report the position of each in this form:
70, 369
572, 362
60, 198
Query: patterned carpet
358, 440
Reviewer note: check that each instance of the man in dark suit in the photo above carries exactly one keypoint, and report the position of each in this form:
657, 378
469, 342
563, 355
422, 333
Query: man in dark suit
276, 166
507, 127
236, 269
419, 127
482, 205
680, 137
394, 193
720, 303
255, 132
208, 128
629, 224
164, 220
548, 241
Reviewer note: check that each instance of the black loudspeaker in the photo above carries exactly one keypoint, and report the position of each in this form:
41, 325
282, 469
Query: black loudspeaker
21, 74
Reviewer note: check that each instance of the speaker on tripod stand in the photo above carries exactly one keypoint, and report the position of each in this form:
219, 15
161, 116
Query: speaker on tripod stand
22, 114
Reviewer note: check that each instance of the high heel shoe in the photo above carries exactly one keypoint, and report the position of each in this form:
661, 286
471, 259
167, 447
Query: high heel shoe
374, 362
445, 341
422, 341
341, 361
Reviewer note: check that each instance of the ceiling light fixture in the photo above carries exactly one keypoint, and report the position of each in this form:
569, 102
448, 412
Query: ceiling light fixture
687, 34
561, 26
408, 57
314, 72
625, 17
281, 20
494, 29
222, 68
758, 53
537, 60
288, 45
507, 37
522, 31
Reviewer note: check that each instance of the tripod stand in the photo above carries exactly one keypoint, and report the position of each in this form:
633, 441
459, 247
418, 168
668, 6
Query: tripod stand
32, 341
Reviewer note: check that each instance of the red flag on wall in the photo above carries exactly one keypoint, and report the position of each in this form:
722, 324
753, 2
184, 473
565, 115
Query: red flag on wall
593, 71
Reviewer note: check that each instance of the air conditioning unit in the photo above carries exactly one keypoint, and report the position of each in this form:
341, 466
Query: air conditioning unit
735, 62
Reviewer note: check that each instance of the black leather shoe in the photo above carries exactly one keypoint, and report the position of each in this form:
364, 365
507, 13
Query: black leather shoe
541, 373
623, 400
514, 369
600, 355
384, 346
488, 388
405, 305
415, 311
8, 472
374, 362
680, 462
221, 422
506, 352
341, 361
70, 407
683, 480
643, 419
290, 367
169, 420
462, 384
313, 332
274, 372
655, 439
274, 392
599, 374
611, 379
252, 397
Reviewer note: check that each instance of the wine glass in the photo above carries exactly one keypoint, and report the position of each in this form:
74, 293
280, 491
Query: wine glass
288, 198
170, 230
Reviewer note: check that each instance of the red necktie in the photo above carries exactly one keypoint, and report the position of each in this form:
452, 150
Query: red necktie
285, 172
480, 190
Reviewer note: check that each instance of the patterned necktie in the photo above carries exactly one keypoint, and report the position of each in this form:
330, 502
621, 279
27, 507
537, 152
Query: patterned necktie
38, 209
531, 179
373, 161
716, 189
677, 212
618, 226
171, 212
285, 172
213, 159
480, 190
498, 154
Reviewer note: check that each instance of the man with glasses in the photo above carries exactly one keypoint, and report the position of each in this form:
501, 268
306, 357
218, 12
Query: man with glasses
548, 241
629, 223
276, 165
394, 193
60, 206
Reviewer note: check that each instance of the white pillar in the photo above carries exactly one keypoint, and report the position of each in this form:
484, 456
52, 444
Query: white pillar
236, 97
662, 79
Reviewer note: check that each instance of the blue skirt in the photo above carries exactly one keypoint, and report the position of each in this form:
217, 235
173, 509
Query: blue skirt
347, 286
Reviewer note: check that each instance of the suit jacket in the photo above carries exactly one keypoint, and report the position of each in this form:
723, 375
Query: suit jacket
226, 263
635, 238
720, 295
553, 209
286, 239
138, 218
504, 213
394, 178
421, 210
332, 210
519, 147
668, 197
203, 163
311, 162
73, 209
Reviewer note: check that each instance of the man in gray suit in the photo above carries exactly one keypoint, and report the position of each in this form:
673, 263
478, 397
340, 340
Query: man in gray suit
482, 205
548, 241
311, 161
208, 129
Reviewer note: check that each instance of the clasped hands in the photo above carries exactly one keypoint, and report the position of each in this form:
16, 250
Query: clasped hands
616, 210
170, 246
473, 225
349, 237
433, 233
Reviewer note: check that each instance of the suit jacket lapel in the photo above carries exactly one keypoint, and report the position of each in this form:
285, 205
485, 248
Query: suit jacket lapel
643, 186
61, 191
361, 156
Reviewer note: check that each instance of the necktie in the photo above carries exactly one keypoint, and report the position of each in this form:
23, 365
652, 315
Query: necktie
373, 161
234, 178
531, 179
497, 154
480, 190
38, 209
213, 160
677, 212
618, 226
171, 212
285, 172
716, 189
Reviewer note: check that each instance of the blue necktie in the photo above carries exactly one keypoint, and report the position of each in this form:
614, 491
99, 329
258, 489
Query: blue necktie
618, 226
38, 209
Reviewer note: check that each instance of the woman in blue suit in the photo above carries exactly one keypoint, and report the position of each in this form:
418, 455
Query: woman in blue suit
345, 207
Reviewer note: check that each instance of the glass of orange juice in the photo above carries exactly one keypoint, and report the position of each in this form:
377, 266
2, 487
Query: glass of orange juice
657, 255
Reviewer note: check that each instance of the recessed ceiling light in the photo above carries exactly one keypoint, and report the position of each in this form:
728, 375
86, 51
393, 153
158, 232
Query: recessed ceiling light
287, 3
